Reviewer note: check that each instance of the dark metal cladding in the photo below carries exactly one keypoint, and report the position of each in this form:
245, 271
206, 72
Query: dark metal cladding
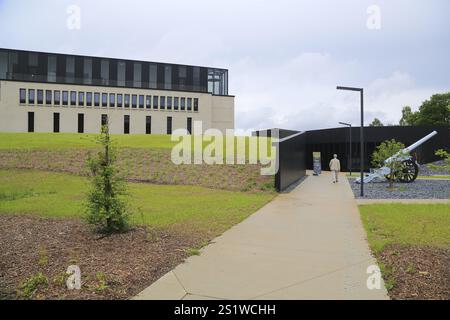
331, 141
295, 155
291, 159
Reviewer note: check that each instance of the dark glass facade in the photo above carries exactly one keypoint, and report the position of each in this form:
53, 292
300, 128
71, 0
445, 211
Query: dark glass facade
70, 69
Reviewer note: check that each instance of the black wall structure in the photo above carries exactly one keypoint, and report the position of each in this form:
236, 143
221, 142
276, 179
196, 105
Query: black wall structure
295, 154
331, 141
291, 159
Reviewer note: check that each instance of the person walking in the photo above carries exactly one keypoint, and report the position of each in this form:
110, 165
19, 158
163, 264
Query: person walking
335, 167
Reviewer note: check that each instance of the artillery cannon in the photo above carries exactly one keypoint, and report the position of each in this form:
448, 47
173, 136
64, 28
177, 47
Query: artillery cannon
409, 169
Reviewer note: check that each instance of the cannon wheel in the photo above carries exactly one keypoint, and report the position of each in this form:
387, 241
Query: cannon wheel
409, 171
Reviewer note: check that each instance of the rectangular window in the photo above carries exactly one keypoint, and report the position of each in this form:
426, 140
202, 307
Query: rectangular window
169, 103
148, 125
169, 125
96, 99
195, 104
196, 81
167, 77
121, 68
57, 95
126, 124
148, 102
127, 101
89, 99
22, 95
112, 100
48, 97
87, 71
104, 119
141, 101
104, 71
40, 96
81, 99
30, 121
189, 125
73, 98
182, 74
56, 122
3, 65
163, 103
119, 100
104, 99
70, 69
137, 75
65, 98
189, 104
134, 101
176, 102
51, 68
30, 96
153, 77
183, 104
81, 123
155, 102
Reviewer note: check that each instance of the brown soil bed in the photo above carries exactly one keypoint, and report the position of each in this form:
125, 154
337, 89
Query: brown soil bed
419, 273
113, 267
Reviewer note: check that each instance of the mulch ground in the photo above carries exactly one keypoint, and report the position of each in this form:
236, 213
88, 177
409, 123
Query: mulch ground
113, 267
419, 273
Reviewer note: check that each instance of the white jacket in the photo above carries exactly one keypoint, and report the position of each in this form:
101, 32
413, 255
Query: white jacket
335, 165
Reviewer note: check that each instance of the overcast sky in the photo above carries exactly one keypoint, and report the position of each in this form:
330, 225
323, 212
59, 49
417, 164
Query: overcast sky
285, 58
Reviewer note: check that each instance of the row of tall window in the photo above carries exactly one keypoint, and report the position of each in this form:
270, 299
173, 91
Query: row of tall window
104, 120
112, 100
83, 70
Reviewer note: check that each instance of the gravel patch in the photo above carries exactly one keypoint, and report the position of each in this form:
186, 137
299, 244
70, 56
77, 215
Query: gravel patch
425, 170
419, 189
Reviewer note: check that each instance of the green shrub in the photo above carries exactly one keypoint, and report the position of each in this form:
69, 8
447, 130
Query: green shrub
30, 286
106, 206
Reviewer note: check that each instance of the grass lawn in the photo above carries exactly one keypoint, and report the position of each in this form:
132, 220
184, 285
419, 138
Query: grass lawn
14, 141
72, 140
411, 244
199, 209
406, 224
439, 177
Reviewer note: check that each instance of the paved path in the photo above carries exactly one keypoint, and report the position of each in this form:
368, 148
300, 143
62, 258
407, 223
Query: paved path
306, 244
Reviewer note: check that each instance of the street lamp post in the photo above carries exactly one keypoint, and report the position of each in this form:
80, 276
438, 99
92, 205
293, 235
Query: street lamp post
350, 143
361, 132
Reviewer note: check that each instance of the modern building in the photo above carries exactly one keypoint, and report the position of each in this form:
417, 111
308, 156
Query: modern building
337, 141
50, 92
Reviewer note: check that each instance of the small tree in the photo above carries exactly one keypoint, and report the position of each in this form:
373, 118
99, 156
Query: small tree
106, 206
384, 151
376, 123
446, 156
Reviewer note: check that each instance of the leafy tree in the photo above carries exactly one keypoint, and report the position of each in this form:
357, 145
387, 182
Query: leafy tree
384, 151
106, 207
409, 118
435, 111
376, 123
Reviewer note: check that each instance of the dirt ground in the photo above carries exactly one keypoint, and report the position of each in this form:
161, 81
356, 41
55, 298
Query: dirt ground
113, 267
417, 273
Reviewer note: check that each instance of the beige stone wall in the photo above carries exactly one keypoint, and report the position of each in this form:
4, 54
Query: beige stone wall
214, 111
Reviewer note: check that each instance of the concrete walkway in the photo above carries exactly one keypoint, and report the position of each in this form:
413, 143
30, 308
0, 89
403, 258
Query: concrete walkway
306, 244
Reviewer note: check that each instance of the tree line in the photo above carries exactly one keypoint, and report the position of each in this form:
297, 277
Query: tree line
435, 111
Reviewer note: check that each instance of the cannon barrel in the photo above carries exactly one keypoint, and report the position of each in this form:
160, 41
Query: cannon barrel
411, 147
